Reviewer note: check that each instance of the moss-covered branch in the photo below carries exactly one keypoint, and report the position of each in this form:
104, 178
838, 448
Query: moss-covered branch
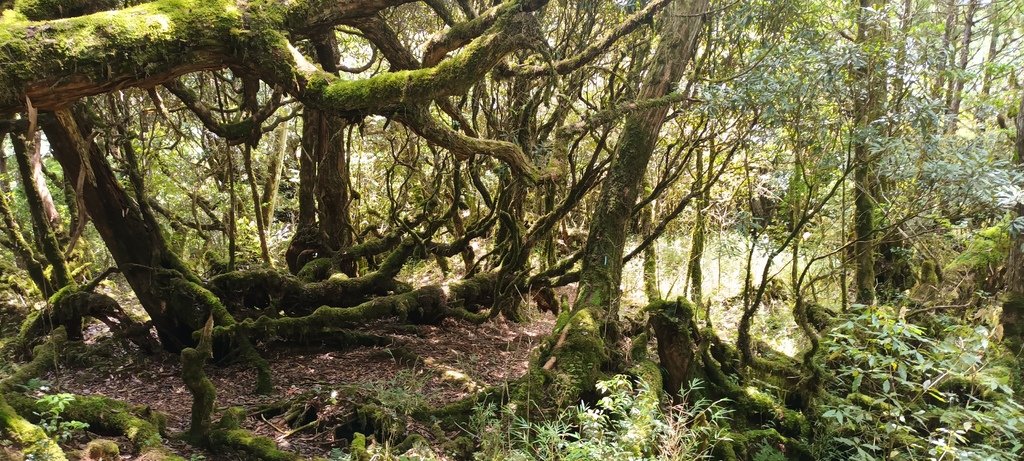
52, 63
424, 305
269, 288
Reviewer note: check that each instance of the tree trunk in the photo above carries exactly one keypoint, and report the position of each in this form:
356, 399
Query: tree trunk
324, 185
45, 220
868, 107
1012, 319
590, 338
133, 238
602, 260
273, 181
956, 94
22, 249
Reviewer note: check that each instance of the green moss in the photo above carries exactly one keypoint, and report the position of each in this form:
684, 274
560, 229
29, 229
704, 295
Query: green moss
102, 450
44, 356
141, 40
357, 449
316, 270
204, 394
249, 444
759, 405
30, 437
578, 359
138, 424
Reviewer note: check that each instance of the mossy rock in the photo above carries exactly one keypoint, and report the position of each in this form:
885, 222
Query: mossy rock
102, 450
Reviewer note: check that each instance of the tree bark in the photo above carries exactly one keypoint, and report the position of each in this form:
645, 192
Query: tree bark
602, 260
590, 339
868, 107
965, 54
133, 238
41, 207
273, 181
1012, 319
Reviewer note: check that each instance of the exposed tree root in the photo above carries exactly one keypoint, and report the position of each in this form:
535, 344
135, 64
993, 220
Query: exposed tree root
103, 415
71, 305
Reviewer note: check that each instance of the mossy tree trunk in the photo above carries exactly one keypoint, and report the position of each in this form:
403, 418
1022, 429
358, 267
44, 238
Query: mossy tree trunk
868, 107
602, 259
22, 249
45, 220
273, 179
324, 189
594, 319
1012, 319
134, 238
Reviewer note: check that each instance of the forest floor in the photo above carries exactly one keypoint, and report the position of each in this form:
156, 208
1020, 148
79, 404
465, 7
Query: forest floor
457, 358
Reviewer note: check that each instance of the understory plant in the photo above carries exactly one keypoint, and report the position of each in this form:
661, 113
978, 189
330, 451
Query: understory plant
627, 423
51, 419
899, 390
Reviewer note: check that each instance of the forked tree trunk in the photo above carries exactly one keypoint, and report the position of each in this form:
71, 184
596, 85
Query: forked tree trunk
324, 187
133, 238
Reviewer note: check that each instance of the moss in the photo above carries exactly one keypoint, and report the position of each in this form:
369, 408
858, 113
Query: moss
140, 425
756, 404
409, 443
424, 305
228, 435
30, 437
357, 449
739, 445
453, 75
102, 450
578, 359
249, 444
372, 418
649, 373
316, 270
204, 394
142, 40
638, 348
44, 356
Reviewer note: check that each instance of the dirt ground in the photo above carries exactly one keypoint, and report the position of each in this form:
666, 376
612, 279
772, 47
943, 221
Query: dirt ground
458, 358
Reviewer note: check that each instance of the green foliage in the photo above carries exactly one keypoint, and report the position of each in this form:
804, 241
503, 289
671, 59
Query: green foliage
627, 423
900, 391
51, 420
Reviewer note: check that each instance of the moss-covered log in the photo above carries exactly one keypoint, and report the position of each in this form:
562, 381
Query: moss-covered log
139, 424
30, 438
428, 304
260, 289
228, 436
44, 357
